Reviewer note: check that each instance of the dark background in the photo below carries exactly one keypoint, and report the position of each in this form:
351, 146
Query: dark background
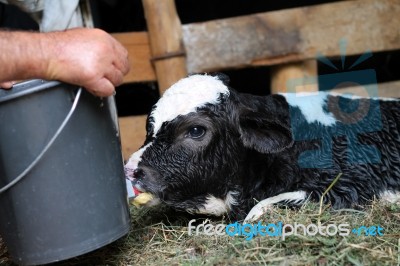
128, 15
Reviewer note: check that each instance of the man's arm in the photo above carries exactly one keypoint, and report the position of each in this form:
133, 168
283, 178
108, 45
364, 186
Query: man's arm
90, 58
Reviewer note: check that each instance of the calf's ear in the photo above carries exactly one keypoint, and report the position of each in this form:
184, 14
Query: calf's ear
265, 135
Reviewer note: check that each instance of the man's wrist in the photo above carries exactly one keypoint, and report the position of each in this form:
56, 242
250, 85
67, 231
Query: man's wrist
25, 54
47, 54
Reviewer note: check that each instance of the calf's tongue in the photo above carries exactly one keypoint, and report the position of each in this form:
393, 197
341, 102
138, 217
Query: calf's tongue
136, 191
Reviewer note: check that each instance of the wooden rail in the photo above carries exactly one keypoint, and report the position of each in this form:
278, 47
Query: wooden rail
137, 44
293, 35
277, 37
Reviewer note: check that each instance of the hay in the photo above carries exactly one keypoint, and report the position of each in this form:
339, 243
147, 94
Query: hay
160, 236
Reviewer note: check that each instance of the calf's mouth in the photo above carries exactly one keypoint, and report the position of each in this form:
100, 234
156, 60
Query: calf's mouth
142, 197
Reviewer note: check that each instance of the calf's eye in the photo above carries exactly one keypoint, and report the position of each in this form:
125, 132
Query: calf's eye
196, 132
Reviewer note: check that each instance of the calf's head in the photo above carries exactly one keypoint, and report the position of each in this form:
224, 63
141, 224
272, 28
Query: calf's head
199, 136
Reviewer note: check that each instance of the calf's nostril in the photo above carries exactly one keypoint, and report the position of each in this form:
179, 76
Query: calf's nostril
138, 173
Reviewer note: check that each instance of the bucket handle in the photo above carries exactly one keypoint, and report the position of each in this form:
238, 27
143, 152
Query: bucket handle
48, 145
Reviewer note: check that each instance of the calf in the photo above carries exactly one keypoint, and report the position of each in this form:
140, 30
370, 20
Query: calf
211, 150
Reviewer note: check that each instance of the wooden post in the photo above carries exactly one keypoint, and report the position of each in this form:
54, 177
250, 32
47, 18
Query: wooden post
281, 74
133, 133
165, 34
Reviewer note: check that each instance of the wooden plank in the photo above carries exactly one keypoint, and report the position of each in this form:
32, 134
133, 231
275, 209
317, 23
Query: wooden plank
292, 35
165, 33
133, 133
282, 73
137, 44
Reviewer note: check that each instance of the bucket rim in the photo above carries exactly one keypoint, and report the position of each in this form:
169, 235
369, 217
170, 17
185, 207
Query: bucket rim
26, 87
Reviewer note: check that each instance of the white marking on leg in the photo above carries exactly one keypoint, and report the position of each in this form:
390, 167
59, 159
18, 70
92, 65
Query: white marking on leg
261, 207
230, 199
390, 196
213, 206
216, 206
311, 105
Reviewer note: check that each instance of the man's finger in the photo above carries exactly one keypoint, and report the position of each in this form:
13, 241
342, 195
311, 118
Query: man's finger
115, 76
122, 62
102, 88
7, 84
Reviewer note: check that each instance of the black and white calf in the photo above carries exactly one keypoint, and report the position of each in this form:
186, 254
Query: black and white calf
211, 150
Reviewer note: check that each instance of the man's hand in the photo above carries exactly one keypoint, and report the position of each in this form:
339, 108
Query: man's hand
90, 58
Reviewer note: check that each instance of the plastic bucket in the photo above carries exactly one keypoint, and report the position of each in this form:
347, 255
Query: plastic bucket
73, 200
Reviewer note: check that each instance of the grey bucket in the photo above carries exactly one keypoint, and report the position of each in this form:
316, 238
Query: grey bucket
73, 200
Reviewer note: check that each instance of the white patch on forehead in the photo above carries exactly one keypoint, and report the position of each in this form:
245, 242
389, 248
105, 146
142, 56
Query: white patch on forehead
185, 97
261, 208
311, 106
